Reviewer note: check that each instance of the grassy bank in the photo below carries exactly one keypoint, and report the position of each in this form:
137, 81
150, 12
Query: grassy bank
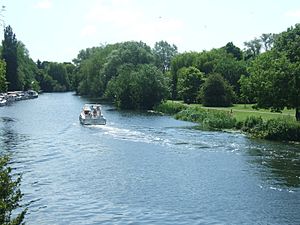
241, 112
257, 123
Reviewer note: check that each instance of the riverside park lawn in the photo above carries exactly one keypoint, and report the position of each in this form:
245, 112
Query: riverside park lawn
242, 111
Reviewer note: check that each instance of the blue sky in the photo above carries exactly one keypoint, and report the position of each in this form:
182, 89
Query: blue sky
56, 30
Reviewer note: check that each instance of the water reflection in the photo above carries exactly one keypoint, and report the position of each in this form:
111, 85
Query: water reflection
279, 162
9, 139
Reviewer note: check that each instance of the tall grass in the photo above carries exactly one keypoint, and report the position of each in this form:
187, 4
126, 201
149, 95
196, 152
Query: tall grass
207, 119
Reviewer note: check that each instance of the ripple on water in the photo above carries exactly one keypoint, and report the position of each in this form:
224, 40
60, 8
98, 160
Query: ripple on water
141, 169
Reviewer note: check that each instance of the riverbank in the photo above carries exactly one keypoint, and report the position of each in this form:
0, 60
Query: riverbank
264, 125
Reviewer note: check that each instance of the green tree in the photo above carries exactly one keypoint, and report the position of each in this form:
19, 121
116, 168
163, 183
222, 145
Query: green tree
27, 69
253, 48
124, 89
58, 73
216, 92
3, 84
9, 54
267, 40
231, 69
274, 82
164, 52
10, 195
186, 59
234, 50
189, 82
137, 87
288, 43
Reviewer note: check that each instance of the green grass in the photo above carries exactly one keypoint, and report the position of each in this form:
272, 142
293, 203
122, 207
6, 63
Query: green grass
242, 111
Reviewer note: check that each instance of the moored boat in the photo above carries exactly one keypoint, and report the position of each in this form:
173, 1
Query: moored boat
2, 101
32, 94
92, 115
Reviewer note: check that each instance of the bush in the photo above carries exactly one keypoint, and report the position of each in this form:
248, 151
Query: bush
252, 123
10, 195
170, 108
208, 119
280, 129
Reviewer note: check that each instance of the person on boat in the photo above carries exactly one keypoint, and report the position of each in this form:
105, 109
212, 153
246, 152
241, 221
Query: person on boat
94, 112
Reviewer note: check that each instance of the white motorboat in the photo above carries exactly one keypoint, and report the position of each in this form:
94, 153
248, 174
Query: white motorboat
32, 94
92, 115
2, 101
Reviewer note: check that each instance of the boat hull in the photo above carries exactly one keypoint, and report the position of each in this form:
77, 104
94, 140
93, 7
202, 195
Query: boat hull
92, 121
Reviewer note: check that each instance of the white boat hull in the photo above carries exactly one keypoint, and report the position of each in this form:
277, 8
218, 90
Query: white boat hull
92, 121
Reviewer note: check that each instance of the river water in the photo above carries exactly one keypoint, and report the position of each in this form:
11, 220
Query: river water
143, 169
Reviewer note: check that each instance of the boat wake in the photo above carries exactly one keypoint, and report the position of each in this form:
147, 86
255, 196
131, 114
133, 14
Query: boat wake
128, 134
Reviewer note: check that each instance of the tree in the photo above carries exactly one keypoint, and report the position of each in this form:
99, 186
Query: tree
234, 51
10, 195
189, 82
137, 87
27, 69
9, 54
231, 69
274, 82
253, 48
164, 52
3, 84
288, 42
179, 61
267, 41
216, 92
58, 73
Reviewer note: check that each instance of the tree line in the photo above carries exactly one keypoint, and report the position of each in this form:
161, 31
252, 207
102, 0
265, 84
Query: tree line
135, 76
19, 72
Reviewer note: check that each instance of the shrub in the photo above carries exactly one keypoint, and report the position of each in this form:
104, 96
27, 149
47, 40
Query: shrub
170, 108
212, 120
280, 129
252, 123
10, 195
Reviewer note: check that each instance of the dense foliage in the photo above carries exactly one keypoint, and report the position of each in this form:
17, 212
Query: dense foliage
3, 84
216, 92
211, 120
274, 80
10, 195
125, 73
189, 81
9, 54
274, 129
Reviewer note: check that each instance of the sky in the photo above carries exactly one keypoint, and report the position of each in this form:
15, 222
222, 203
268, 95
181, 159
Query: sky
56, 30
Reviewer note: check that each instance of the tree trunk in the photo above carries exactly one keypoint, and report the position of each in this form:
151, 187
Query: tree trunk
298, 113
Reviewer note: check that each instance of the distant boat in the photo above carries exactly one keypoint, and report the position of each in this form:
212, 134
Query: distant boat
2, 101
32, 94
92, 115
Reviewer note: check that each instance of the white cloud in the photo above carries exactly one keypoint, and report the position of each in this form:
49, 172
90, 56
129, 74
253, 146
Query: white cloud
44, 4
294, 13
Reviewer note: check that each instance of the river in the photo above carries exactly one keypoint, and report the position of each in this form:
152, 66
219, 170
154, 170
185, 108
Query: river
143, 168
